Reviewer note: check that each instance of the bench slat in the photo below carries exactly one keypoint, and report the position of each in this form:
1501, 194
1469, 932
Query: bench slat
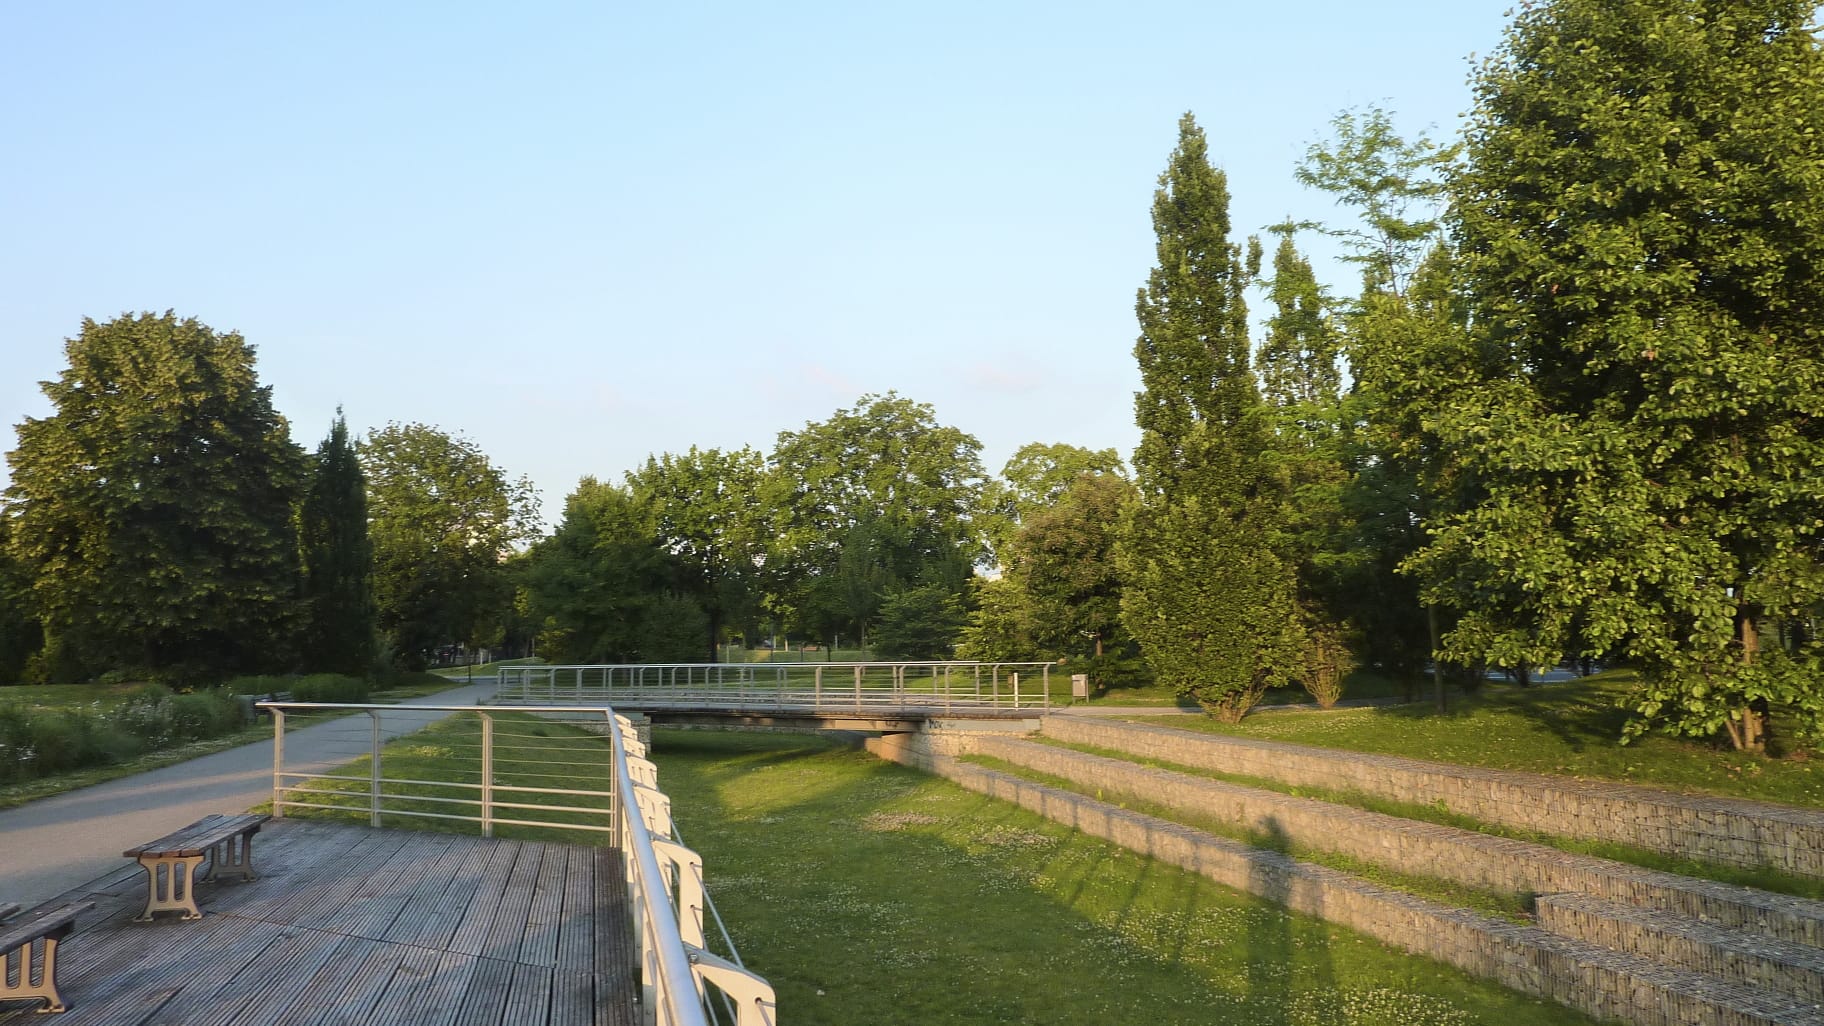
24, 932
198, 837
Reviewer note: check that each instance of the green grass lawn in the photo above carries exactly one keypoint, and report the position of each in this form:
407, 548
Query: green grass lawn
868, 892
1571, 729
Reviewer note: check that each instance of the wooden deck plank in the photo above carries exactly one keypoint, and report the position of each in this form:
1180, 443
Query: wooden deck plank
572, 999
576, 925
471, 934
449, 884
485, 1000
515, 907
406, 987
529, 995
550, 918
438, 1002
349, 997
271, 981
375, 909
538, 944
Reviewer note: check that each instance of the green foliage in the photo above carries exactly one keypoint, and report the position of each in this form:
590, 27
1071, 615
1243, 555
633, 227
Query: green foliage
706, 516
1207, 598
338, 560
153, 510
21, 636
443, 520
1371, 520
1636, 420
588, 585
1000, 627
1063, 559
918, 623
671, 630
876, 499
1037, 476
37, 743
1392, 185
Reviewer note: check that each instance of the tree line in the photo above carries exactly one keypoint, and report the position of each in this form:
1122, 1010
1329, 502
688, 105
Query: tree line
162, 525
1575, 409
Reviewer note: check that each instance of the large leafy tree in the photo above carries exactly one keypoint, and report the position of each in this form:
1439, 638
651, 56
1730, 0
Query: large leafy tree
1063, 558
1302, 383
1207, 597
594, 588
1035, 477
878, 498
1393, 191
338, 560
705, 512
444, 520
153, 510
1641, 402
21, 637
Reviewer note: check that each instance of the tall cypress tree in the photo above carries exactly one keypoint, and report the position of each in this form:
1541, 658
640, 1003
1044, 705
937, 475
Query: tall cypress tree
338, 560
1641, 228
1207, 597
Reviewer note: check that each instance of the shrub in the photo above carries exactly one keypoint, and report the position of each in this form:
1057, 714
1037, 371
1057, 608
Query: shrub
328, 687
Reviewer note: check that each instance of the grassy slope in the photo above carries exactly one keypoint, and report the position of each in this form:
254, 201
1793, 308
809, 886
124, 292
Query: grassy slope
1568, 728
868, 892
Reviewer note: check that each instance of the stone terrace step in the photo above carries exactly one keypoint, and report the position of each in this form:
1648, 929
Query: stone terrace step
1598, 980
1727, 830
1796, 970
1478, 860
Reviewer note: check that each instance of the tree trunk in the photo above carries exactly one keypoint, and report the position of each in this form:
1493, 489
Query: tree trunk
1751, 734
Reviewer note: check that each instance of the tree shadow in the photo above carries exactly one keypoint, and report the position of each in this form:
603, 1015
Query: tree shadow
1280, 963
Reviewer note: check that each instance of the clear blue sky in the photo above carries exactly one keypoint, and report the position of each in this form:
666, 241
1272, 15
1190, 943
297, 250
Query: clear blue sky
583, 233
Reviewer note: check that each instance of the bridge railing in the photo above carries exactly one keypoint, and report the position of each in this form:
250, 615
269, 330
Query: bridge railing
832, 686
502, 768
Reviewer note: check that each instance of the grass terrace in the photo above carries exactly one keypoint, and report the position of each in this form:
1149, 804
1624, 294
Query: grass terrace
1569, 729
868, 892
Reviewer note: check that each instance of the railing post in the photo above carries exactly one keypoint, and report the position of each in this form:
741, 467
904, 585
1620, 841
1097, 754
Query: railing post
278, 763
858, 687
373, 764
1014, 679
487, 775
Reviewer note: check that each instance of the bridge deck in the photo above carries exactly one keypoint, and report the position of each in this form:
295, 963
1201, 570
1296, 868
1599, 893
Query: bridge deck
348, 924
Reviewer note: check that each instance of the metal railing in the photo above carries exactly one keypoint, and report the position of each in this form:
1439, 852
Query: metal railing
491, 776
833, 687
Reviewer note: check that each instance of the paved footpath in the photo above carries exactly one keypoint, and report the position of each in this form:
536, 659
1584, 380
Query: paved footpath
56, 843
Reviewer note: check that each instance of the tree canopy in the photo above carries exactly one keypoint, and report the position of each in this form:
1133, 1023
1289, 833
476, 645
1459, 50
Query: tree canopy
444, 520
153, 510
1638, 409
1208, 599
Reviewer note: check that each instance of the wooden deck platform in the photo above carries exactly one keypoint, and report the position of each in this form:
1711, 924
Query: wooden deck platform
353, 925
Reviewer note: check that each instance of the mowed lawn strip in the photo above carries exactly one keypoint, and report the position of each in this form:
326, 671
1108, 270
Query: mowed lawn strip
1572, 729
869, 892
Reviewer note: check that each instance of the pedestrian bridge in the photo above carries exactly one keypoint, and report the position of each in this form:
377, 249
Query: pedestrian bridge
871, 696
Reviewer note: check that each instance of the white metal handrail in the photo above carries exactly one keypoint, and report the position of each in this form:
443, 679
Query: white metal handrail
666, 886
859, 687
666, 883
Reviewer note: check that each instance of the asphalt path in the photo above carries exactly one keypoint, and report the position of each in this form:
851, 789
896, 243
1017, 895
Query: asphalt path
54, 844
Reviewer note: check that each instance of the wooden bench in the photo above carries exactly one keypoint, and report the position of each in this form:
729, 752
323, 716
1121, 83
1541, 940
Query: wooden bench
37, 935
171, 861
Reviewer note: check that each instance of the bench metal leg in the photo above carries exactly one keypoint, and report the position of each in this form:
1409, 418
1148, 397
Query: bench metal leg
172, 890
234, 855
18, 962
